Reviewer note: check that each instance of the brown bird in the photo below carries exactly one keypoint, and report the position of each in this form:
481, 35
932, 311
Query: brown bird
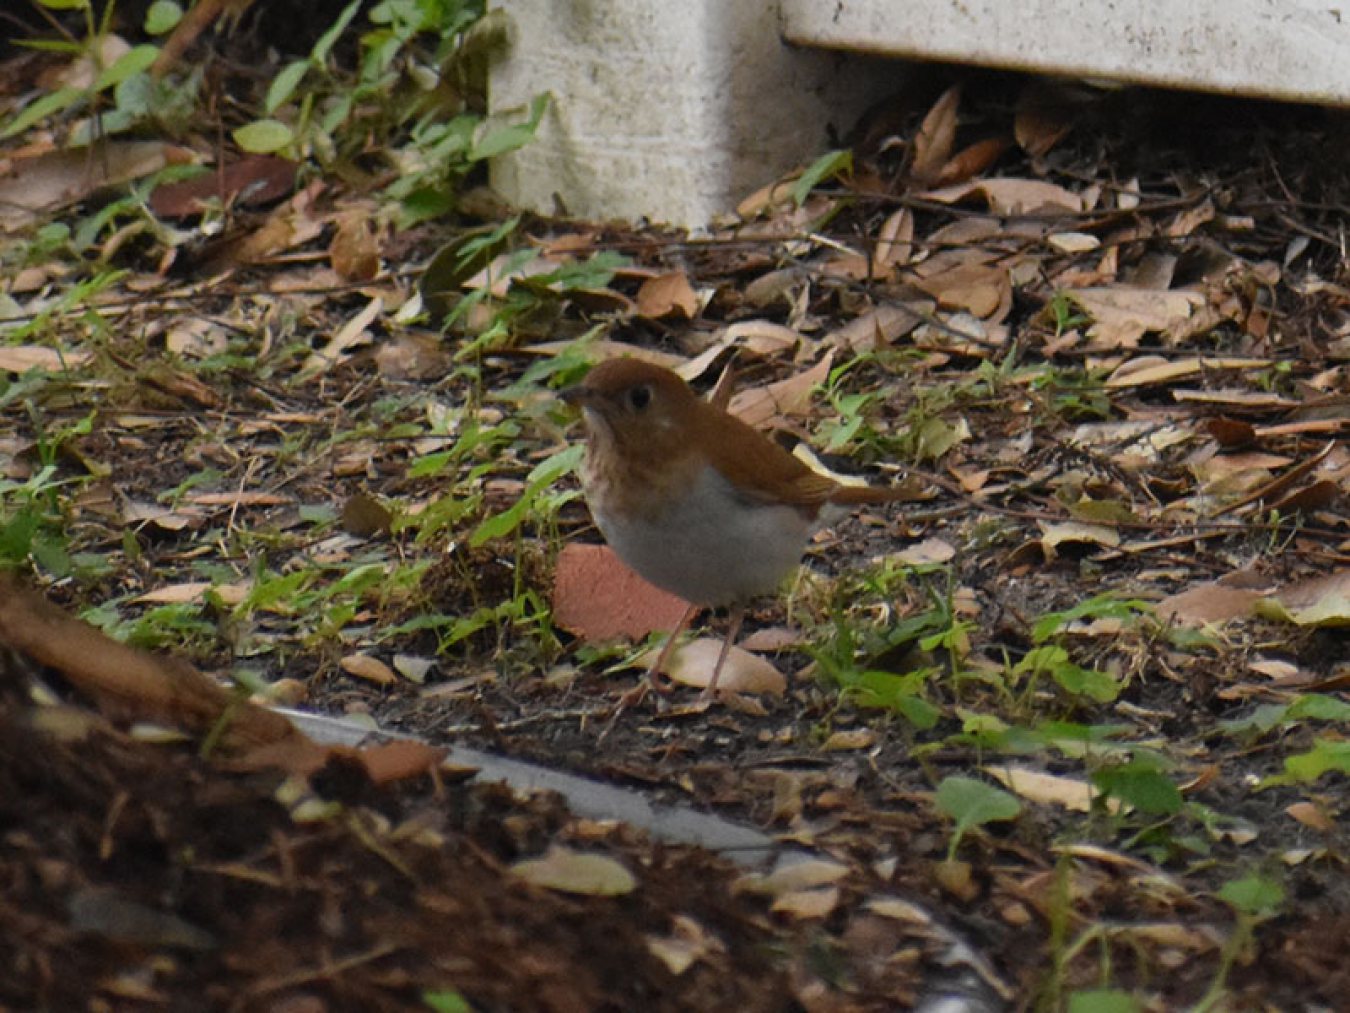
692, 498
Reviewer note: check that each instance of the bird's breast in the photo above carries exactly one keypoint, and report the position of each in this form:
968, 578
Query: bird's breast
700, 539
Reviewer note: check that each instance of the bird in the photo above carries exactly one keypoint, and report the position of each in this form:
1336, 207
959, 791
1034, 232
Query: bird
695, 500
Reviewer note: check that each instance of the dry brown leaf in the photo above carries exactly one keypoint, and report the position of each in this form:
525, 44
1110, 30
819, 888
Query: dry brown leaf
880, 327
355, 249
1046, 112
598, 598
1311, 815
240, 498
363, 666
763, 337
400, 760
668, 295
791, 396
1037, 786
792, 877
895, 241
1207, 603
1011, 196
932, 145
192, 591
975, 286
805, 905
21, 358
55, 179
413, 356
1121, 315
576, 872
354, 332
252, 181
1153, 369
688, 942
849, 739
927, 552
1071, 532
692, 664
971, 161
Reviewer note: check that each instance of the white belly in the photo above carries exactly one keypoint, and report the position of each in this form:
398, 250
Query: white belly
712, 548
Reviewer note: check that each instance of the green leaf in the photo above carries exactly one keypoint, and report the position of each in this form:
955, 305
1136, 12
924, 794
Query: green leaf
1089, 682
326, 41
827, 166
499, 140
1253, 895
1325, 755
163, 16
1320, 707
971, 802
262, 137
446, 1000
58, 100
1103, 1000
128, 65
1141, 785
284, 85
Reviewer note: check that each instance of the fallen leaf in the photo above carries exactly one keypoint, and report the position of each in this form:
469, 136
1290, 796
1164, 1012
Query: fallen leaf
853, 738
792, 396
22, 358
1012, 196
692, 665
1046, 112
364, 517
576, 872
181, 594
1075, 532
598, 598
31, 186
1122, 315
956, 878
1311, 815
688, 942
355, 249
668, 295
1207, 603
932, 144
363, 666
793, 876
400, 760
805, 905
354, 332
1037, 786
880, 327
248, 182
895, 241
1149, 370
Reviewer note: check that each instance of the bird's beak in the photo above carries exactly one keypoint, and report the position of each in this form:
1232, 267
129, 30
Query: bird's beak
576, 396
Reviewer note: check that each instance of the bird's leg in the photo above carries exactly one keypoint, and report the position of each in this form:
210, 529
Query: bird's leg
654, 672
733, 629
653, 681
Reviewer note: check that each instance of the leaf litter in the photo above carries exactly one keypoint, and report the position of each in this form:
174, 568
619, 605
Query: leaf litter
1106, 359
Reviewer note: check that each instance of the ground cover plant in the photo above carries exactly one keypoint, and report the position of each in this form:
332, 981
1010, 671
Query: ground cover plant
1078, 698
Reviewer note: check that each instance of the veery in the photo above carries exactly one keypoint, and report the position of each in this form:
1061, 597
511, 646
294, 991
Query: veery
693, 499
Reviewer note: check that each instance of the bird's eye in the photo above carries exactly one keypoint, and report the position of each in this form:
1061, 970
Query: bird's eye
640, 397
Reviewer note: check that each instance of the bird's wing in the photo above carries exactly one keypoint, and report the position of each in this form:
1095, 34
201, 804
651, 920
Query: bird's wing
763, 471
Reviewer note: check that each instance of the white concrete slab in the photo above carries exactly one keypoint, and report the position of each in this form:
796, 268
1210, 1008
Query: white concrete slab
667, 111
1283, 49
673, 112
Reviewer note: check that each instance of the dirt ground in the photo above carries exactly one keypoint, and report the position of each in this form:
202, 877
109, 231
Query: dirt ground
144, 870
